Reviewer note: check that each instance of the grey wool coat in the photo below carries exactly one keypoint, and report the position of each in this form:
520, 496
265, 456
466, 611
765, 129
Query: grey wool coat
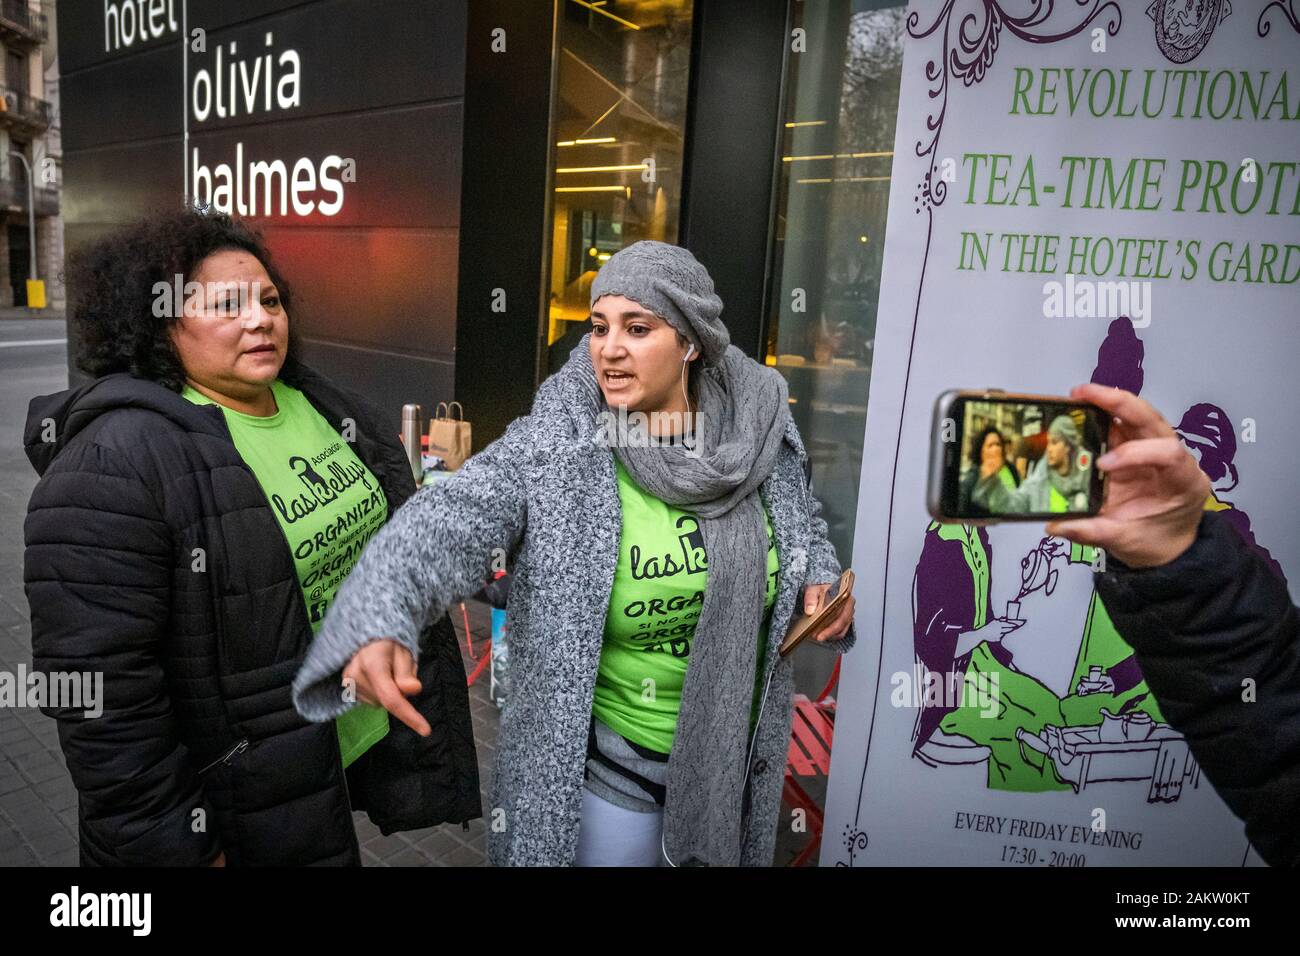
545, 496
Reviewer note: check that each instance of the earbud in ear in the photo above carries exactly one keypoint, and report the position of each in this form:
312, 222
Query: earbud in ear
689, 352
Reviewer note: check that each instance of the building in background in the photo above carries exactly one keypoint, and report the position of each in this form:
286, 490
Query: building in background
335, 126
618, 138
29, 127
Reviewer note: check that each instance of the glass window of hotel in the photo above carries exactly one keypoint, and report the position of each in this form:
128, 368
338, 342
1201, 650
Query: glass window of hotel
841, 106
619, 115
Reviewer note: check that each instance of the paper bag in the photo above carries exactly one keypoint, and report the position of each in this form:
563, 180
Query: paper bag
450, 438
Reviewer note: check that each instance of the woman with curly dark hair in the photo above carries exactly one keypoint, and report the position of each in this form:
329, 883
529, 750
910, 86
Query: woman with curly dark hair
989, 447
200, 502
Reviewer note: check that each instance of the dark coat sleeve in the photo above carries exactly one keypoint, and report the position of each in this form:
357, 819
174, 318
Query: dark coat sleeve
1218, 640
98, 572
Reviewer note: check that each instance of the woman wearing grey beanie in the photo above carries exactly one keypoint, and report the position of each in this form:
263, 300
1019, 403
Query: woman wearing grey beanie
655, 509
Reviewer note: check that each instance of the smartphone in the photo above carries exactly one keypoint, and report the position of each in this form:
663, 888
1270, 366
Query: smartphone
1001, 456
809, 625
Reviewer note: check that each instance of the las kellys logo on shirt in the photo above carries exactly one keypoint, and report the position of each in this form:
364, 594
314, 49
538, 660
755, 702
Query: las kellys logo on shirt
691, 559
691, 541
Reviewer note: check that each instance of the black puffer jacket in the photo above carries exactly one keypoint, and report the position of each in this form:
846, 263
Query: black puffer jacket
1218, 641
199, 748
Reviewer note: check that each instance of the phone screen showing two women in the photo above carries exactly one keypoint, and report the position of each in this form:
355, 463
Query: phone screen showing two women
1010, 459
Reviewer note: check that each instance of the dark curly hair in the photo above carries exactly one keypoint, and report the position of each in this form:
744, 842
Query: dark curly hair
112, 282
976, 450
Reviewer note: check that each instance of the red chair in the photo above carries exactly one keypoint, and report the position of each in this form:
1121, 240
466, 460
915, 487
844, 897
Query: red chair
809, 755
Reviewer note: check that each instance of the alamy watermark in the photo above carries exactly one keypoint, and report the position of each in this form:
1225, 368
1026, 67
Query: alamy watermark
1092, 299
625, 429
226, 298
74, 690
133, 911
922, 687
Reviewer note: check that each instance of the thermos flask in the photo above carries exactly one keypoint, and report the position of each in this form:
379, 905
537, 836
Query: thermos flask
412, 429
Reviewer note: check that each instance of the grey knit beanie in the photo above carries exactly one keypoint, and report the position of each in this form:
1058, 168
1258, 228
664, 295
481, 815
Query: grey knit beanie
1063, 427
672, 284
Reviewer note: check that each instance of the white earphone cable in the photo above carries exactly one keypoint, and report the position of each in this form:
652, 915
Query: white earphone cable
686, 398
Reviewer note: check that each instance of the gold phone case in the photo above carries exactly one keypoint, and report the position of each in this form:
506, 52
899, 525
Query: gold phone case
810, 625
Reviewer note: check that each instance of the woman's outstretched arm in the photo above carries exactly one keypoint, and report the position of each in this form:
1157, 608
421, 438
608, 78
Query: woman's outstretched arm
438, 548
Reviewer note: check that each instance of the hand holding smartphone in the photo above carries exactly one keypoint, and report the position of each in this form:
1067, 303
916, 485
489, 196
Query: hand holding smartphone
805, 626
998, 456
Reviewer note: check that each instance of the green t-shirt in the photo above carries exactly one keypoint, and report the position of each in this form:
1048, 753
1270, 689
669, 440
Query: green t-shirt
328, 504
653, 608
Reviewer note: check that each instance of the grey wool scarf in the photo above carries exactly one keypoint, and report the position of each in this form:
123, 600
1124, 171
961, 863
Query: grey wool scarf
739, 426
